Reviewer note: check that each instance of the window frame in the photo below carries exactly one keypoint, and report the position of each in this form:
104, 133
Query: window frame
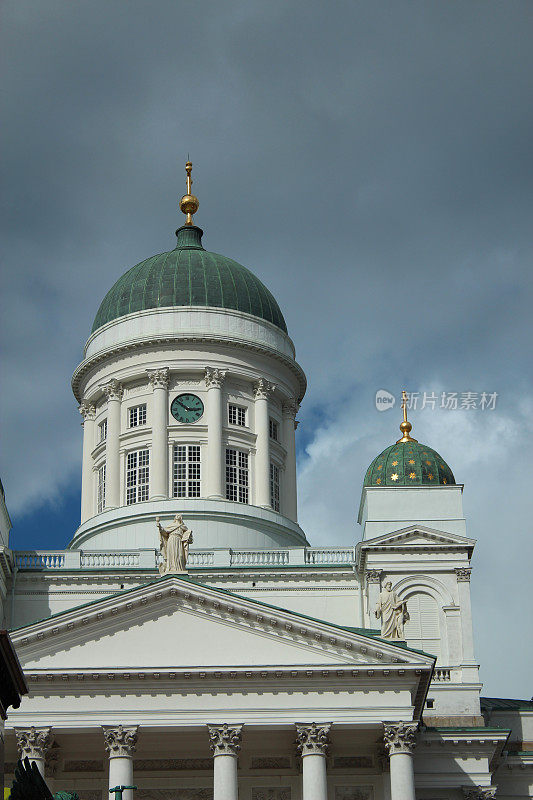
137, 411
140, 488
274, 482
273, 428
239, 488
240, 412
100, 488
190, 464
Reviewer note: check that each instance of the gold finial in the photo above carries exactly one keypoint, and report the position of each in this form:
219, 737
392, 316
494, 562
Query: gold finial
405, 426
189, 203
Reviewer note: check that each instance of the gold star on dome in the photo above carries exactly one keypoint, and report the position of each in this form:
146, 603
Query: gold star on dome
394, 476
394, 463
430, 476
378, 480
380, 466
444, 481
412, 475
428, 463
411, 461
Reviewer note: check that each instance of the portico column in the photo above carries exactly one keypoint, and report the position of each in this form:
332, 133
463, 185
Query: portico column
113, 392
312, 743
400, 741
120, 743
262, 390
159, 379
290, 494
88, 412
225, 742
33, 743
214, 379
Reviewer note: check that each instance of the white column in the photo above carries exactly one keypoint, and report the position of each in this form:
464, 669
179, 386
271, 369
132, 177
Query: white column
373, 581
463, 591
225, 742
88, 411
214, 379
262, 390
113, 392
33, 743
120, 743
289, 493
159, 464
312, 743
400, 741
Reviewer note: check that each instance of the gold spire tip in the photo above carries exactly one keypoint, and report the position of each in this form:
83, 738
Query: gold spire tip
189, 203
405, 426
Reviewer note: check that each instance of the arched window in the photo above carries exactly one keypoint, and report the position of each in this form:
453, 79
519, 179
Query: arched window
422, 628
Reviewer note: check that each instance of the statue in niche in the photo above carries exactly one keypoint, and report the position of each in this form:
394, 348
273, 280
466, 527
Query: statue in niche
393, 613
174, 543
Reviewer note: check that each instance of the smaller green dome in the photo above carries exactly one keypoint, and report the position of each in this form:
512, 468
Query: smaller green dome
409, 463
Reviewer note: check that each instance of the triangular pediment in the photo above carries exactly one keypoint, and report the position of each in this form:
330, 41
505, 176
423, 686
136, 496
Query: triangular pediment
418, 535
176, 623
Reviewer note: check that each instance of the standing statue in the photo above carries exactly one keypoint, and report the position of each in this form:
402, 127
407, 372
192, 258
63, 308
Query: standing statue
393, 613
174, 544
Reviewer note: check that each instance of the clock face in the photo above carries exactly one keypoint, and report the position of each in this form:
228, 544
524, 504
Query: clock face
187, 408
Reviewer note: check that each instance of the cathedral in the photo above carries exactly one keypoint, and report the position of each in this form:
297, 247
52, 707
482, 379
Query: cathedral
189, 642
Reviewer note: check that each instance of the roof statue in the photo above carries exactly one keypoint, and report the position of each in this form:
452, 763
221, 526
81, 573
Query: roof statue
174, 545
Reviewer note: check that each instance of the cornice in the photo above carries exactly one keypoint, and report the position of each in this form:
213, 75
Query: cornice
139, 344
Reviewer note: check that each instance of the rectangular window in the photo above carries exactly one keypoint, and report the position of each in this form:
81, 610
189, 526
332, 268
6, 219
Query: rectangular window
274, 487
237, 415
186, 470
273, 428
137, 476
100, 501
236, 476
137, 416
102, 431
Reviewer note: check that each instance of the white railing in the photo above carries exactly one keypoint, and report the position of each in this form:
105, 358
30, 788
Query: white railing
329, 555
98, 559
261, 557
149, 559
442, 674
39, 559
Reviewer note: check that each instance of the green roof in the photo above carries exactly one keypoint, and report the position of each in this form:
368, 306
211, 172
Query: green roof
409, 464
505, 704
189, 276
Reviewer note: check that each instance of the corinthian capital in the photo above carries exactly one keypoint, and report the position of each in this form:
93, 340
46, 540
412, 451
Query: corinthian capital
87, 410
158, 378
290, 408
463, 573
113, 390
373, 575
120, 741
225, 740
214, 378
33, 742
263, 389
400, 737
313, 739
479, 792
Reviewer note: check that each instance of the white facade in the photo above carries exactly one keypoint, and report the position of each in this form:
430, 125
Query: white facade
261, 674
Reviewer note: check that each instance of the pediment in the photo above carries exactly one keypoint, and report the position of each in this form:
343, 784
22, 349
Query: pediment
176, 623
418, 535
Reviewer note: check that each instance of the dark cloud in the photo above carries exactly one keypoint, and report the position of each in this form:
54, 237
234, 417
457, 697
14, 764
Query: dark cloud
370, 162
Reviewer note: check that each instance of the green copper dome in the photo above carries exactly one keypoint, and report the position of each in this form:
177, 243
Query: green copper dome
408, 463
189, 276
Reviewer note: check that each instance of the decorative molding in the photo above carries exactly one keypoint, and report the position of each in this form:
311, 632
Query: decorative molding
353, 762
113, 390
193, 793
270, 762
479, 792
84, 765
225, 740
33, 742
463, 574
120, 741
400, 737
159, 378
374, 575
87, 410
262, 389
214, 378
271, 793
312, 739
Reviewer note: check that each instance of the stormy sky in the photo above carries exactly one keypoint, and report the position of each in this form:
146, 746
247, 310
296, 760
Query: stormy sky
371, 162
